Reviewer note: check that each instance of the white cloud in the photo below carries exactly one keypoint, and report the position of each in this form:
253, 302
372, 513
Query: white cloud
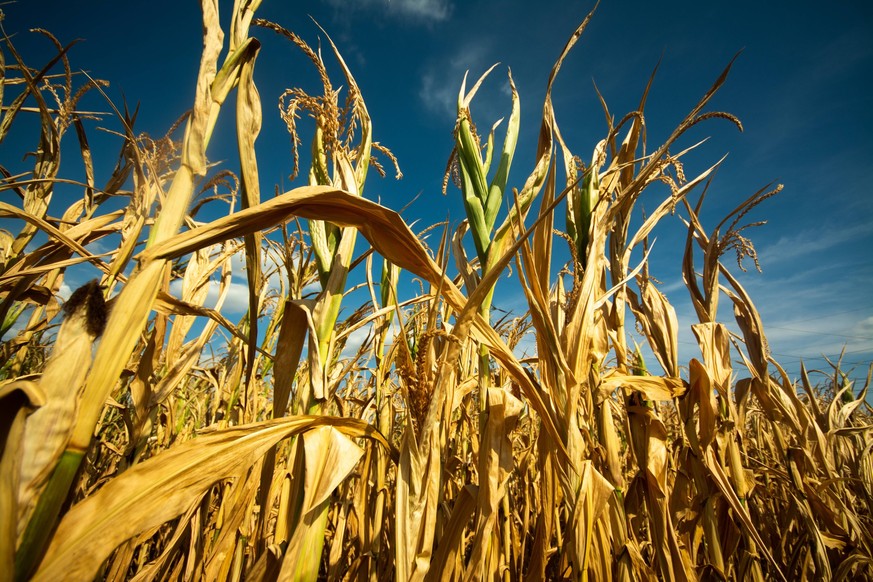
428, 9
355, 340
813, 313
437, 96
64, 291
421, 10
441, 81
807, 314
313, 288
808, 242
827, 335
237, 300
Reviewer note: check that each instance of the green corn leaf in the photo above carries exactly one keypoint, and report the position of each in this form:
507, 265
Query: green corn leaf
498, 184
476, 217
469, 154
489, 147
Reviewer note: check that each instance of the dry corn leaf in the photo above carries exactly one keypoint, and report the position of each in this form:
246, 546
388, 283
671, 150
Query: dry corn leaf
237, 508
701, 393
289, 347
166, 304
386, 232
330, 457
48, 429
416, 502
248, 126
161, 488
195, 287
749, 321
185, 359
56, 236
658, 320
658, 388
720, 479
451, 541
17, 399
205, 109
496, 462
668, 206
714, 341
126, 321
611, 442
187, 524
591, 500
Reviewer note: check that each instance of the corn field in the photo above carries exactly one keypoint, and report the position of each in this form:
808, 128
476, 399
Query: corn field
147, 437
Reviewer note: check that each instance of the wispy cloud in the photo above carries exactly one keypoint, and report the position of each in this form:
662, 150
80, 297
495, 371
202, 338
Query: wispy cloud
418, 10
808, 314
355, 340
237, 300
790, 247
441, 82
811, 313
441, 79
437, 95
829, 76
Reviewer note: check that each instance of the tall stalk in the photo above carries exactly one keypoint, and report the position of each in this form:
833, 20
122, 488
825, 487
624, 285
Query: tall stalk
483, 199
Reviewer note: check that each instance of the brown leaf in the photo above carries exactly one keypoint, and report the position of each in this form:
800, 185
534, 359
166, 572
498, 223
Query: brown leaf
162, 487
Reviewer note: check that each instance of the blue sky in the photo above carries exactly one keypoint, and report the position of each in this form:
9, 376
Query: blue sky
801, 88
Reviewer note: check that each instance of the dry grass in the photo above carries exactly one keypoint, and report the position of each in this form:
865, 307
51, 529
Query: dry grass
131, 451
